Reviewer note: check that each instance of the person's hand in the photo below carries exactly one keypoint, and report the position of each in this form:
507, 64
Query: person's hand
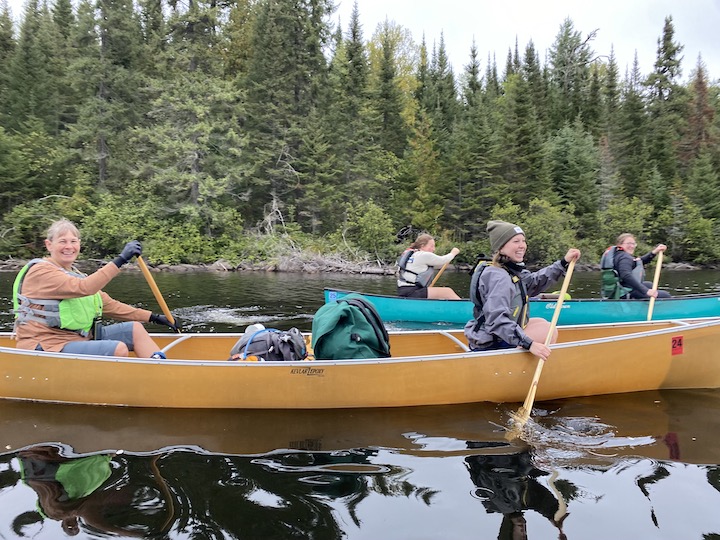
572, 255
540, 350
652, 293
454, 251
131, 249
163, 320
659, 248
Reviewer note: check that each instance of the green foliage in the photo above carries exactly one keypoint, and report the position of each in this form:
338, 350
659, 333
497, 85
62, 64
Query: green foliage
371, 229
194, 126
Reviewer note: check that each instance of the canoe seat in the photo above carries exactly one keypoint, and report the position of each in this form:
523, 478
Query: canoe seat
456, 340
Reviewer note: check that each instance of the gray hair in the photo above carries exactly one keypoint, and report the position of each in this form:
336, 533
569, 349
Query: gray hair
60, 227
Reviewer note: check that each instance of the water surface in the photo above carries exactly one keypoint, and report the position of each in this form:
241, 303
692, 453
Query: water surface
643, 465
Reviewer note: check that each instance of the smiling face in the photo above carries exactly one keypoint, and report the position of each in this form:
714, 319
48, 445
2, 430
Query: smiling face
64, 248
515, 248
629, 245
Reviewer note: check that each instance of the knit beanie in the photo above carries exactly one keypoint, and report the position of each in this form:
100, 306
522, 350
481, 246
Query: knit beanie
500, 233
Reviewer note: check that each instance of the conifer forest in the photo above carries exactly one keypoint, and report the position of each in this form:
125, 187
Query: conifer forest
242, 129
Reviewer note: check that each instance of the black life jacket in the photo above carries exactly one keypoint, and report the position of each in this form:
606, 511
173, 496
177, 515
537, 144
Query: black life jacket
610, 287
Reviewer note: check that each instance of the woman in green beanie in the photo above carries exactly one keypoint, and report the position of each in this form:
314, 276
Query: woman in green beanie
500, 291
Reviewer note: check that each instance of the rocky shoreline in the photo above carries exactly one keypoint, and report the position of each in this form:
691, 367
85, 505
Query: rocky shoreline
314, 265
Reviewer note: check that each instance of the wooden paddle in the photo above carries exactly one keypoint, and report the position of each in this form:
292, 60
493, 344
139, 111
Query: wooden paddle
444, 266
656, 279
523, 414
155, 290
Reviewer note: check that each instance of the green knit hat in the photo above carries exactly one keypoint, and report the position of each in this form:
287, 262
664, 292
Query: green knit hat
500, 233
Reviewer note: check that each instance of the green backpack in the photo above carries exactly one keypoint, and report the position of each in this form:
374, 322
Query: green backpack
349, 328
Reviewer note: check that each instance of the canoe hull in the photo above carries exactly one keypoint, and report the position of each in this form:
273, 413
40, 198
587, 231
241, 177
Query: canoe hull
574, 311
427, 368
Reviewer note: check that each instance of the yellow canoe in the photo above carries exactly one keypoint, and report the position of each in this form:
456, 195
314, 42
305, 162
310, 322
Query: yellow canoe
426, 368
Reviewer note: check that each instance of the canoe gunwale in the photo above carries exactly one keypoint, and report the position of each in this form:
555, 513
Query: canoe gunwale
667, 326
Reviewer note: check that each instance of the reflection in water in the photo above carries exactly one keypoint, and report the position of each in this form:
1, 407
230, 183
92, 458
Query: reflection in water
181, 493
507, 484
596, 469
280, 495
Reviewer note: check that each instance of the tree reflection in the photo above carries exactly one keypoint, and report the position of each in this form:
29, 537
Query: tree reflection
197, 495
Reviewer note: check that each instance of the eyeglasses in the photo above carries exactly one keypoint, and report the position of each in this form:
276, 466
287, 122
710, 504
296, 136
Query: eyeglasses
630, 244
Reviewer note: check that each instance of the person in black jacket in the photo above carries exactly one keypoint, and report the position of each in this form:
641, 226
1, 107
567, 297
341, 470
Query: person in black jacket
630, 269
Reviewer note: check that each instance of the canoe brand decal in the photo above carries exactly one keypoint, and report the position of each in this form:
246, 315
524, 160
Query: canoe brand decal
310, 372
677, 345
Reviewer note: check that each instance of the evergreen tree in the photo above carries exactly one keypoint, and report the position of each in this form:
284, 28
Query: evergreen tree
665, 104
32, 86
699, 132
387, 101
573, 163
7, 48
536, 84
284, 77
475, 164
422, 171
471, 86
186, 156
570, 60
440, 100
522, 169
631, 154
610, 96
703, 184
107, 78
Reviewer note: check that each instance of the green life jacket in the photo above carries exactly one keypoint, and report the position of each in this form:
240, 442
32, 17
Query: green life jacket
75, 314
518, 303
610, 287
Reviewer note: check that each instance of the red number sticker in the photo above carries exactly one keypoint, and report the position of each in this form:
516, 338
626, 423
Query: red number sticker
677, 345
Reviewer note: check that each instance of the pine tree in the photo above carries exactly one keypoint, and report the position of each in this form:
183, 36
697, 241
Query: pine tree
570, 60
631, 147
32, 86
187, 154
7, 48
700, 131
665, 104
106, 74
387, 101
284, 77
573, 164
522, 145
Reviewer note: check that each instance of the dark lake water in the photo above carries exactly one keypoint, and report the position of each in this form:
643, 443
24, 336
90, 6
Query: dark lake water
643, 465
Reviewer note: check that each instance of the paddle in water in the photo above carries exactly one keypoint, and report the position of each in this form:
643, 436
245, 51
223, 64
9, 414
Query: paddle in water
521, 417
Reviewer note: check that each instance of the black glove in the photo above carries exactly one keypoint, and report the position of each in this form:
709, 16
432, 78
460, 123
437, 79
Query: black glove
162, 319
131, 249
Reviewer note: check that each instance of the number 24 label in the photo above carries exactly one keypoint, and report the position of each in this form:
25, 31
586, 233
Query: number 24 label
677, 345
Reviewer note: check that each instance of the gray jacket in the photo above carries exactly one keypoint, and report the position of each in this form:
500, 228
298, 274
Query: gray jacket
497, 291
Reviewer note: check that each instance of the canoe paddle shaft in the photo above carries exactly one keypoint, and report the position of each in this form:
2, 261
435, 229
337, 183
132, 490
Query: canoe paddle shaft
656, 280
156, 292
523, 414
